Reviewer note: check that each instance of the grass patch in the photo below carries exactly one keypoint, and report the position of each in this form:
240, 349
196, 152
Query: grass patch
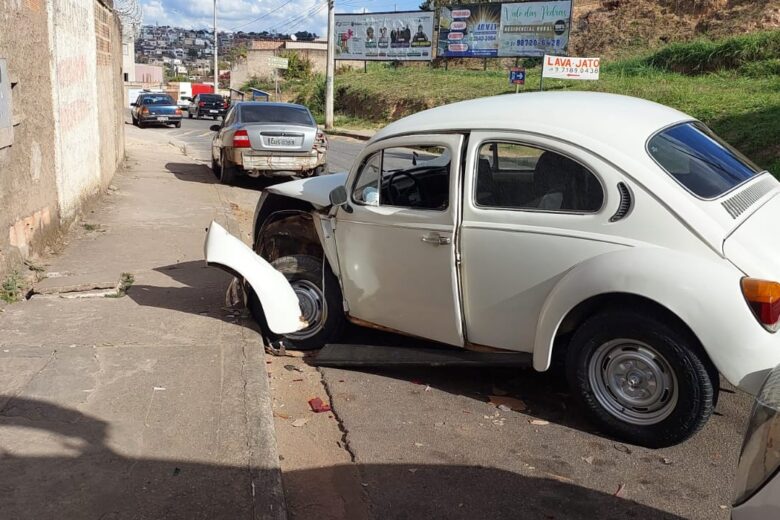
12, 287
126, 281
732, 53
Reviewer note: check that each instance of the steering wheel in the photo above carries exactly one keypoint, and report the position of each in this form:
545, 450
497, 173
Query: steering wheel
393, 191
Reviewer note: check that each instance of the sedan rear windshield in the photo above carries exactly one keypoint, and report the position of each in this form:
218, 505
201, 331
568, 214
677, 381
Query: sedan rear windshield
700, 160
211, 97
158, 100
276, 114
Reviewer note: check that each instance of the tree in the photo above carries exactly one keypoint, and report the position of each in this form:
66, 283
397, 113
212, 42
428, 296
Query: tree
305, 36
193, 53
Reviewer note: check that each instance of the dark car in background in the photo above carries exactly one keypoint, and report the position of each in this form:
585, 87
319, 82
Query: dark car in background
155, 109
209, 105
275, 140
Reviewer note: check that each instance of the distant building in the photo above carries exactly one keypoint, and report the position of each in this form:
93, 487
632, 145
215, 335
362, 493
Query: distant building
148, 73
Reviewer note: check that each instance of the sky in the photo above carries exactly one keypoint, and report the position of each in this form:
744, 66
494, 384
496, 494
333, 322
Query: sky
284, 16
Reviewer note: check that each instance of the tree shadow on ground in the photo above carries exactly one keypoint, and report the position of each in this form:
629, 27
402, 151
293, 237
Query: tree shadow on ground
67, 466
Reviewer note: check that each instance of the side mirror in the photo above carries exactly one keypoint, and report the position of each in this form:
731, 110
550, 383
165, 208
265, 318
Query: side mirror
338, 196
133, 104
215, 128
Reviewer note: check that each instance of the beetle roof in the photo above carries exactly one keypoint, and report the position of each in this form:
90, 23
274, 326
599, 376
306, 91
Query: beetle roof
576, 116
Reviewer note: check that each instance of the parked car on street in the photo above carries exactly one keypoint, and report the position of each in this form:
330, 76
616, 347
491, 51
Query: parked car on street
758, 476
208, 105
268, 139
616, 237
155, 109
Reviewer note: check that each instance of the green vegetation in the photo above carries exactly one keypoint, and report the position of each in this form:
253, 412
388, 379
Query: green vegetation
732, 85
125, 282
12, 287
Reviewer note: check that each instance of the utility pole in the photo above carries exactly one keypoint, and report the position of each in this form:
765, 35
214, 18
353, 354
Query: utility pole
329, 70
216, 61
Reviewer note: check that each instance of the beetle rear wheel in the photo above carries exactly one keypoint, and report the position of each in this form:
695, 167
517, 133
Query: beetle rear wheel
641, 379
319, 297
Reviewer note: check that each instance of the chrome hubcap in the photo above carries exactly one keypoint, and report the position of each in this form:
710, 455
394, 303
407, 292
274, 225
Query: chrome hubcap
313, 308
633, 382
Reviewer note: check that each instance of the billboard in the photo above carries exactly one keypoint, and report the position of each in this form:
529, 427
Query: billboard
402, 36
522, 29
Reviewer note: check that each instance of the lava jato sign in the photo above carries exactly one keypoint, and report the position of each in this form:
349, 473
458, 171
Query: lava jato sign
567, 67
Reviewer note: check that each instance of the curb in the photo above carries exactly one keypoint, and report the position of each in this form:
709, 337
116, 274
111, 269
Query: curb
362, 135
264, 467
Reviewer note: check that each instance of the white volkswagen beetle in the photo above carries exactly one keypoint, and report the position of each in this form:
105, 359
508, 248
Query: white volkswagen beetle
616, 235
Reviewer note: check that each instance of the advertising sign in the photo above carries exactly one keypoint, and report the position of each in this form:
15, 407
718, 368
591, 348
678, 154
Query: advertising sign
565, 67
276, 62
504, 29
403, 36
516, 76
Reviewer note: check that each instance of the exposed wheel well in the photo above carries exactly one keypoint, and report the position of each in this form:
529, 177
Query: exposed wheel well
587, 308
285, 226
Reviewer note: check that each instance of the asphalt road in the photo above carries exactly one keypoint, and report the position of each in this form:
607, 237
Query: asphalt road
196, 135
427, 443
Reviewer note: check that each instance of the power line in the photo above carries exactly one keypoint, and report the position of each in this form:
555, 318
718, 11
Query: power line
261, 17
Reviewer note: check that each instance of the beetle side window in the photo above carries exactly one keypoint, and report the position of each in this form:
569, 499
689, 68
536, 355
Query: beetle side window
367, 186
515, 176
416, 177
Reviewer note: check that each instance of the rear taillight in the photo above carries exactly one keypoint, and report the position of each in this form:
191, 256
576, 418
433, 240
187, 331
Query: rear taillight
178, 111
202, 104
764, 299
241, 139
225, 105
320, 141
144, 110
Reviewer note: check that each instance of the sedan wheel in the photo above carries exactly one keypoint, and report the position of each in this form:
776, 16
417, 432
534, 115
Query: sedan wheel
640, 378
227, 174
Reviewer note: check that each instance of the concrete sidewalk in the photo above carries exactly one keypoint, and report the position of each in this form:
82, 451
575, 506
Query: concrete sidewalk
154, 404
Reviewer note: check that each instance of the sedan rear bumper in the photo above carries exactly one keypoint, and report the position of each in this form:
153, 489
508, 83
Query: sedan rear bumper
279, 163
159, 118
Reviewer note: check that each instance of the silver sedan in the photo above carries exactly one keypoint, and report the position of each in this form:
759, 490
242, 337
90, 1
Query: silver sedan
268, 139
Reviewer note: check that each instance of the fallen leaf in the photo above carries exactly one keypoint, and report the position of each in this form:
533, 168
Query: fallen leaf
589, 460
622, 447
419, 444
509, 402
292, 368
300, 422
619, 491
281, 415
317, 406
539, 422
723, 507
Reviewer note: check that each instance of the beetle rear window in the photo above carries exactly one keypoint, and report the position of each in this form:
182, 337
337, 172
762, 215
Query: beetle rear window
699, 160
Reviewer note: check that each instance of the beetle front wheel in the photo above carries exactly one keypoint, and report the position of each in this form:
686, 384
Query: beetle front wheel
640, 379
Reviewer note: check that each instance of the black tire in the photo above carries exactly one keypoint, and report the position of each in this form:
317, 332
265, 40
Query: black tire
599, 346
177, 124
189, 114
135, 121
227, 172
308, 270
214, 167
141, 124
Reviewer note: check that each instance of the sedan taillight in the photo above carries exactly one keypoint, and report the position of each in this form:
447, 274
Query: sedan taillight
241, 139
763, 297
202, 104
320, 141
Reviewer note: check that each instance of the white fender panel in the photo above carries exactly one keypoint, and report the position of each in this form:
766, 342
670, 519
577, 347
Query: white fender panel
314, 190
280, 304
704, 293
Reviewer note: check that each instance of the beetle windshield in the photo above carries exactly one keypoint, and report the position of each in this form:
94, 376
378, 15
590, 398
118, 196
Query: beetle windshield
699, 160
276, 114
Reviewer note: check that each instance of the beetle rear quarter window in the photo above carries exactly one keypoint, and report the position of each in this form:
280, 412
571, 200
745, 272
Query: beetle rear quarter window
699, 160
516, 176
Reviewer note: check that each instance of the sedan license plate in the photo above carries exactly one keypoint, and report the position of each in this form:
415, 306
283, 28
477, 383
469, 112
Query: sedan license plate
162, 118
281, 141
213, 111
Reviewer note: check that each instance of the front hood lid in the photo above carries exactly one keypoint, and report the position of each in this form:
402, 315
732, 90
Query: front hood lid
315, 190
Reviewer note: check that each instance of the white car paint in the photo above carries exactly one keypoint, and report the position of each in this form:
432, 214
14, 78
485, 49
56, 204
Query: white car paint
277, 297
509, 277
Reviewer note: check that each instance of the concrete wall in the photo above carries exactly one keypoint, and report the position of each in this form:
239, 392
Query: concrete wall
64, 58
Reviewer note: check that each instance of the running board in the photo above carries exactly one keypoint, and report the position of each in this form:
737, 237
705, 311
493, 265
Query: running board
344, 355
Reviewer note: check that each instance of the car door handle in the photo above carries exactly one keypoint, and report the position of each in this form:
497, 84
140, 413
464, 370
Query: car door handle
436, 239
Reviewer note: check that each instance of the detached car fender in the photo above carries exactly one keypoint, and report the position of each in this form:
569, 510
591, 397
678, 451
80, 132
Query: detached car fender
280, 304
690, 286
